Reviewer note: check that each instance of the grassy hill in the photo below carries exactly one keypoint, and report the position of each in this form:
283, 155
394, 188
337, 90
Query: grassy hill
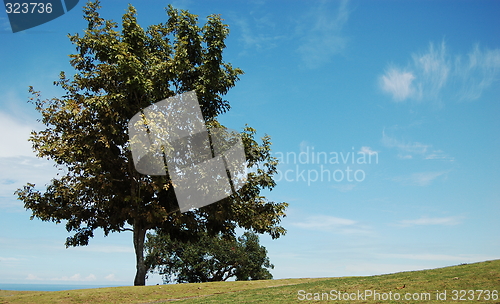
460, 283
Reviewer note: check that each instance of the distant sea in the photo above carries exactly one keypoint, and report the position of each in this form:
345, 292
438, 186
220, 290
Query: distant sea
49, 287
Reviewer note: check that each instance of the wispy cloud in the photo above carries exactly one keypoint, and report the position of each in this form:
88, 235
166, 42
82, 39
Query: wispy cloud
74, 278
17, 171
324, 222
402, 146
364, 268
409, 149
18, 161
478, 72
432, 68
257, 39
439, 257
333, 224
104, 248
316, 32
2, 259
5, 25
419, 179
344, 187
426, 221
406, 156
322, 29
181, 4
438, 154
258, 30
435, 73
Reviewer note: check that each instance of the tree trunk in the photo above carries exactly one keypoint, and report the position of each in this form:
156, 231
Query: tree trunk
139, 236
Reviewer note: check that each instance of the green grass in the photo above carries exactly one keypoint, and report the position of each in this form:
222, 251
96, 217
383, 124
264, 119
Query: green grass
478, 276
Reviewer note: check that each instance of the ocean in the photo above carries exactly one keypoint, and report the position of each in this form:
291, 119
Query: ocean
49, 287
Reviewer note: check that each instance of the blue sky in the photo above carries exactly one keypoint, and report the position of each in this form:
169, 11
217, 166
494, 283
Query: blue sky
412, 84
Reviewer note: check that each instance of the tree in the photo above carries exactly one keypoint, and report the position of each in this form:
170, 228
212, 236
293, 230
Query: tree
255, 263
118, 73
208, 259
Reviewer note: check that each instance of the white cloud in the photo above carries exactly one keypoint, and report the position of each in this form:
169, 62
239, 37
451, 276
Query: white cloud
76, 277
323, 32
435, 73
14, 137
426, 221
32, 277
367, 150
398, 83
112, 277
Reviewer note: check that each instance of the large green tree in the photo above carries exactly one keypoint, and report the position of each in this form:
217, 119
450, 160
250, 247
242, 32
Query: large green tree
207, 258
118, 72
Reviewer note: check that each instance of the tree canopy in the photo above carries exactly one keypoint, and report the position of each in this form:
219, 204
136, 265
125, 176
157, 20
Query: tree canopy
208, 258
118, 72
